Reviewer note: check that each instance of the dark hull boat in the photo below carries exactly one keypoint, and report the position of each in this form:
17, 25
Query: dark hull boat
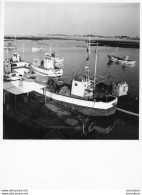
123, 61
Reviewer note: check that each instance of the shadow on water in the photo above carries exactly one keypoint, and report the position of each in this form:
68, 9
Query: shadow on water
62, 124
109, 63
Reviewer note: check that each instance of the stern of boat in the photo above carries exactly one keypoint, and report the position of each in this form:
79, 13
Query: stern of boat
113, 108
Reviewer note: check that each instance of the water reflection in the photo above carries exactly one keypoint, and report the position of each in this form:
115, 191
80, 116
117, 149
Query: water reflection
101, 125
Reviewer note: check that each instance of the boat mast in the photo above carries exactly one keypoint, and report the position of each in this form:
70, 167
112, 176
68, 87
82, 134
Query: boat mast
7, 53
14, 42
23, 51
95, 65
50, 48
88, 70
116, 51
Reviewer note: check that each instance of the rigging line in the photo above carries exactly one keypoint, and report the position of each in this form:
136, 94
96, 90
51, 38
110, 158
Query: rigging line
81, 67
85, 64
108, 73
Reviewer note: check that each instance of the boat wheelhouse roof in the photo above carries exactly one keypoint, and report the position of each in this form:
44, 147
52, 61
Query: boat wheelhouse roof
51, 54
16, 54
80, 78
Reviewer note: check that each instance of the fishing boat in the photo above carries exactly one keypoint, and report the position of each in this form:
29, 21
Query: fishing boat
82, 95
16, 61
51, 65
11, 74
124, 61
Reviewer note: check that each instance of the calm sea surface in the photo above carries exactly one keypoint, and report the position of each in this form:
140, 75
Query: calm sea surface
74, 54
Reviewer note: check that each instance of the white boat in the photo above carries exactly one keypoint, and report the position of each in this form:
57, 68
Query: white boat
11, 76
124, 61
82, 96
51, 65
9, 47
93, 107
17, 62
35, 49
13, 73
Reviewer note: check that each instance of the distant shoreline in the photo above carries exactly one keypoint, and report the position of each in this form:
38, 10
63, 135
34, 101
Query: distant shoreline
116, 43
108, 42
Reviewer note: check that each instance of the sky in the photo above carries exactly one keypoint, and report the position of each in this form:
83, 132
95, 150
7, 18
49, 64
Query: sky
106, 19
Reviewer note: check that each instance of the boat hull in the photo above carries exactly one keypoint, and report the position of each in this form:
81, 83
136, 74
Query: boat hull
85, 110
20, 64
95, 111
46, 72
86, 107
35, 49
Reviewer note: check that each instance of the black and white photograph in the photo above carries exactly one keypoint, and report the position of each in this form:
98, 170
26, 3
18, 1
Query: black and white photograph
70, 97
71, 70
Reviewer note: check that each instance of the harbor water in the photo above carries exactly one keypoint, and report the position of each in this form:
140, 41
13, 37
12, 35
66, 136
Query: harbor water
119, 126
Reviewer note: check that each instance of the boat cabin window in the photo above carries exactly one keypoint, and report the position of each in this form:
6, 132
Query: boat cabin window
75, 84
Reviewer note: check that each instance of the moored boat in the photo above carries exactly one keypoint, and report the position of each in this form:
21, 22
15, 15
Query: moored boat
35, 49
82, 95
94, 107
123, 61
16, 61
51, 65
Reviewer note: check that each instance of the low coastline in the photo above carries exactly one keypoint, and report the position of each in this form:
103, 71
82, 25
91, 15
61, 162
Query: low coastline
108, 42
